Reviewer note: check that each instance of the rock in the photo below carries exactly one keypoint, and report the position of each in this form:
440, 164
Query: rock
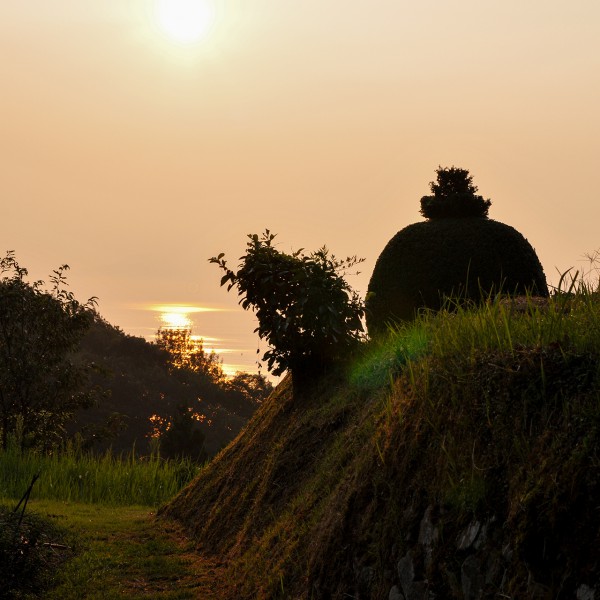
538, 591
468, 536
585, 592
395, 594
365, 581
494, 571
482, 537
406, 572
412, 590
419, 591
471, 578
428, 535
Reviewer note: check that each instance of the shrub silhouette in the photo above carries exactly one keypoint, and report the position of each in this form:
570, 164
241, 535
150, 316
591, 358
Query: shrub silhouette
458, 252
32, 549
454, 195
306, 311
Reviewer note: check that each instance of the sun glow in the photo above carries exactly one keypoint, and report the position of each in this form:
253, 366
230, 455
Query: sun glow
185, 21
175, 320
178, 316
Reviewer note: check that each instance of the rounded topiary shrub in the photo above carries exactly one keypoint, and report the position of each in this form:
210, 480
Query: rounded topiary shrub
458, 252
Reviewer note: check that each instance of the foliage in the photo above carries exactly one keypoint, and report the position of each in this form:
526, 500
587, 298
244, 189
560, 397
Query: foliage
460, 258
179, 435
385, 357
179, 429
40, 384
252, 387
31, 549
143, 387
454, 195
185, 352
306, 311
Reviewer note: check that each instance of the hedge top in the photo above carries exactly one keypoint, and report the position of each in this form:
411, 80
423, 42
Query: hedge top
454, 195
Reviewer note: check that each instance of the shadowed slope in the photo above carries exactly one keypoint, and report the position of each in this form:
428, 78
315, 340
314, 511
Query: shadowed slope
469, 474
264, 498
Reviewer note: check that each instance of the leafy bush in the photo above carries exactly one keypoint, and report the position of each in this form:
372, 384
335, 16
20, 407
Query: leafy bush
306, 311
179, 436
143, 384
31, 548
251, 388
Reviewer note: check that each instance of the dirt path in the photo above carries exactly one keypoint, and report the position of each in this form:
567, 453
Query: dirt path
126, 552
202, 577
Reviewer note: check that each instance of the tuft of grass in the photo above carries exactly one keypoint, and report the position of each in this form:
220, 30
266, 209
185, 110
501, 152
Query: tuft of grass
503, 324
75, 476
386, 356
460, 332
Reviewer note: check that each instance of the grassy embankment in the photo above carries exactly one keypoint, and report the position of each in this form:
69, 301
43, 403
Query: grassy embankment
489, 416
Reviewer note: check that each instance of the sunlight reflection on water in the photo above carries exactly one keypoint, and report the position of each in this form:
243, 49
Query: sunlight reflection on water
229, 332
234, 352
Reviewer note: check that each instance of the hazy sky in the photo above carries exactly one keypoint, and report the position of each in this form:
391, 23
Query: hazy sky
134, 157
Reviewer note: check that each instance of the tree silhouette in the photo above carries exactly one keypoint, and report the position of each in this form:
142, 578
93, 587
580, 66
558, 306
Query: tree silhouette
41, 385
185, 352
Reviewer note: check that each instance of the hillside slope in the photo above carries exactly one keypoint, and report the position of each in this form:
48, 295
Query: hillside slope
425, 470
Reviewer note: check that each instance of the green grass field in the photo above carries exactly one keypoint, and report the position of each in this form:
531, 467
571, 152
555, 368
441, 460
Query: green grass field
105, 507
74, 476
124, 553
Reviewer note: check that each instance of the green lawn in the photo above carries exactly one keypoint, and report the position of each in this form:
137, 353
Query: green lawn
124, 552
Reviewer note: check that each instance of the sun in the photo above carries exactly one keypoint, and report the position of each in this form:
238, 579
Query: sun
184, 21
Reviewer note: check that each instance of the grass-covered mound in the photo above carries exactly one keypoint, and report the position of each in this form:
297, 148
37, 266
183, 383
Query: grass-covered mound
467, 466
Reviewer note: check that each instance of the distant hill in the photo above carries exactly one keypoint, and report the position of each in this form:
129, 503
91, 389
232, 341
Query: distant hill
138, 384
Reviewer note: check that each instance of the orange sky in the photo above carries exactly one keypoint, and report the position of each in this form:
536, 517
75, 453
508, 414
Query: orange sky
134, 158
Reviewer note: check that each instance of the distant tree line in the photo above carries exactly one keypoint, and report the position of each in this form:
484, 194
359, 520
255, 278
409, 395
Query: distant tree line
65, 371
